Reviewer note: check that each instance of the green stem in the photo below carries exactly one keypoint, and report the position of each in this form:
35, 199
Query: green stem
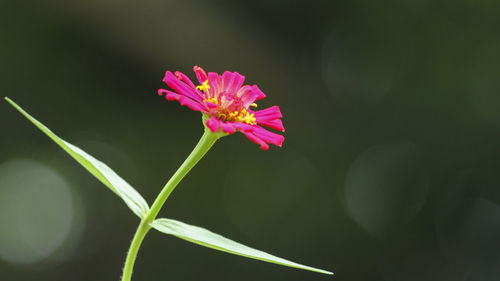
207, 140
141, 232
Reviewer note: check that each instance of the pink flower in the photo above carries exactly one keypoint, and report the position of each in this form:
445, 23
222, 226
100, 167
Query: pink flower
226, 101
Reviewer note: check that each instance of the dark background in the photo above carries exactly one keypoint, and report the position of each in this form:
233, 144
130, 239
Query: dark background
389, 170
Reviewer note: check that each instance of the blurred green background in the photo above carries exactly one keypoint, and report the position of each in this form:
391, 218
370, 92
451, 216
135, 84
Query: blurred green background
389, 170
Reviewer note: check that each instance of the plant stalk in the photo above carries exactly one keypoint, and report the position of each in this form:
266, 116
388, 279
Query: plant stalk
204, 144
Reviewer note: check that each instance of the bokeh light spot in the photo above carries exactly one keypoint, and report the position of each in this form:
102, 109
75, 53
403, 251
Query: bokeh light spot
468, 224
36, 211
385, 186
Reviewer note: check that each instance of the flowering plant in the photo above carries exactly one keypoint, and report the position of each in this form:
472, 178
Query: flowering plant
225, 104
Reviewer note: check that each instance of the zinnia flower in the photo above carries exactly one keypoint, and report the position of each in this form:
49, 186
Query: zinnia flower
226, 102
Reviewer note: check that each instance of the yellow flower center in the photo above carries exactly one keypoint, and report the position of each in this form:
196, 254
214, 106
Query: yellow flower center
242, 116
212, 100
203, 87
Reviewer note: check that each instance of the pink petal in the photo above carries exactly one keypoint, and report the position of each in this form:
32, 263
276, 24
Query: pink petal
270, 117
275, 124
227, 79
243, 90
183, 77
210, 105
258, 92
180, 87
232, 81
201, 75
214, 124
183, 100
250, 94
215, 83
268, 136
227, 128
270, 113
243, 127
255, 139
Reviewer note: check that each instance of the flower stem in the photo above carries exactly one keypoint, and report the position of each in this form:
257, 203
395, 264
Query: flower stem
207, 140
140, 233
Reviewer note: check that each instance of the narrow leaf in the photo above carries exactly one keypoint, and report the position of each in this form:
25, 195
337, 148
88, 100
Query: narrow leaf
100, 170
209, 239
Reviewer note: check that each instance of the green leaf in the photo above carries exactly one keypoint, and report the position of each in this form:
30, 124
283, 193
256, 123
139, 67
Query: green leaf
209, 239
100, 170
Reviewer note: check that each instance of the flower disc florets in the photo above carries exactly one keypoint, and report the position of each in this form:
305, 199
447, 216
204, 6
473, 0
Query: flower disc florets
228, 103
